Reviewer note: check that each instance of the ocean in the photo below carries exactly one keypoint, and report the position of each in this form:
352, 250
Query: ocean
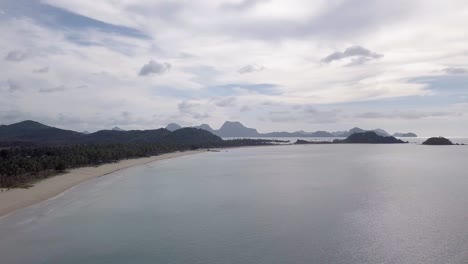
345, 203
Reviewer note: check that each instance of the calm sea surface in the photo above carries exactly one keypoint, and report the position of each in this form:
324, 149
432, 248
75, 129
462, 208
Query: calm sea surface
263, 205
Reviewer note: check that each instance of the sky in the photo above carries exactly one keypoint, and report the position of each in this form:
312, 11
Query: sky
273, 65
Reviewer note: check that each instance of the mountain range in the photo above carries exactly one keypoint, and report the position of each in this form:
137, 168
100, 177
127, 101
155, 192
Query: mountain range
33, 133
236, 129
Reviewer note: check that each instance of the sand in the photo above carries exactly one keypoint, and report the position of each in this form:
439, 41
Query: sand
14, 199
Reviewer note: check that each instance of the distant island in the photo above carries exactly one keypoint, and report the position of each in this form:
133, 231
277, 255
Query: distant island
437, 141
409, 134
237, 129
368, 137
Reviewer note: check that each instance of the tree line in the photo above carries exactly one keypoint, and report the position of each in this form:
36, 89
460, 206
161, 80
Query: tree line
21, 166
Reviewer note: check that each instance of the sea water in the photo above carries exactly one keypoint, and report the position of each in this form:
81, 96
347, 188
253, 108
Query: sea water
351, 203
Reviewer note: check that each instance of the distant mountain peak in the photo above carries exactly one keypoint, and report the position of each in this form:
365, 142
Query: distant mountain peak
232, 123
408, 134
236, 129
203, 126
116, 128
173, 127
30, 124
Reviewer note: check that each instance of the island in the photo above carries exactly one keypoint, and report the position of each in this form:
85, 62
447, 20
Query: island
369, 137
438, 141
409, 134
305, 142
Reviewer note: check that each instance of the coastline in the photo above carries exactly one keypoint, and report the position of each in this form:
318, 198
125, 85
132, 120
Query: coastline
15, 199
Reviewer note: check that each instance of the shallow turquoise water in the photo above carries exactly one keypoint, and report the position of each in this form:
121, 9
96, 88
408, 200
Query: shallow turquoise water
282, 204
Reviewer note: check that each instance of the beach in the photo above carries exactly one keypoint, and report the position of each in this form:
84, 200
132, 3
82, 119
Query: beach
14, 199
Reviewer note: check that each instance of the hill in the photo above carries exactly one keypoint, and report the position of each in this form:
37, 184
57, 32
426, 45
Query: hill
369, 137
437, 141
173, 127
236, 129
31, 132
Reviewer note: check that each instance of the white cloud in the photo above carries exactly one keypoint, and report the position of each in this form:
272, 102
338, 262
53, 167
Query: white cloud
250, 68
154, 67
358, 55
455, 70
202, 48
16, 55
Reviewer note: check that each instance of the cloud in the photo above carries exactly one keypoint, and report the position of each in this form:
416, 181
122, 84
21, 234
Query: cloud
455, 70
16, 55
77, 38
59, 15
153, 67
192, 109
225, 102
358, 55
60, 88
251, 68
450, 83
411, 115
242, 5
13, 116
245, 108
42, 70
307, 114
13, 86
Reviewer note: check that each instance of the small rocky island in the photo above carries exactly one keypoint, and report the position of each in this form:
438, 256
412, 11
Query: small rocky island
439, 141
368, 137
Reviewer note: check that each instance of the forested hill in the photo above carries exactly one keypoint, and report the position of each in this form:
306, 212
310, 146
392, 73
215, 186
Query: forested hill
31, 133
30, 151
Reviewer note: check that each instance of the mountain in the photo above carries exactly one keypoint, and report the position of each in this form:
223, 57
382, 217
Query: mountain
236, 129
34, 133
409, 134
355, 130
369, 137
173, 127
381, 132
116, 128
207, 128
321, 134
31, 132
190, 135
131, 136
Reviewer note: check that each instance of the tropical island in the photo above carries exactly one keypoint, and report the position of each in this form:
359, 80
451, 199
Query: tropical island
368, 137
439, 141
408, 134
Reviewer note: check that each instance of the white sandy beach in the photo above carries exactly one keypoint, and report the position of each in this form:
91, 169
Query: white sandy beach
14, 199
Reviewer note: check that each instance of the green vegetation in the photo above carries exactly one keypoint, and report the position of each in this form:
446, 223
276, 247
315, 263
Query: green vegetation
305, 142
21, 166
437, 141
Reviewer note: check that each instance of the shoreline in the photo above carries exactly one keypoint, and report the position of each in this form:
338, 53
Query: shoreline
19, 198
